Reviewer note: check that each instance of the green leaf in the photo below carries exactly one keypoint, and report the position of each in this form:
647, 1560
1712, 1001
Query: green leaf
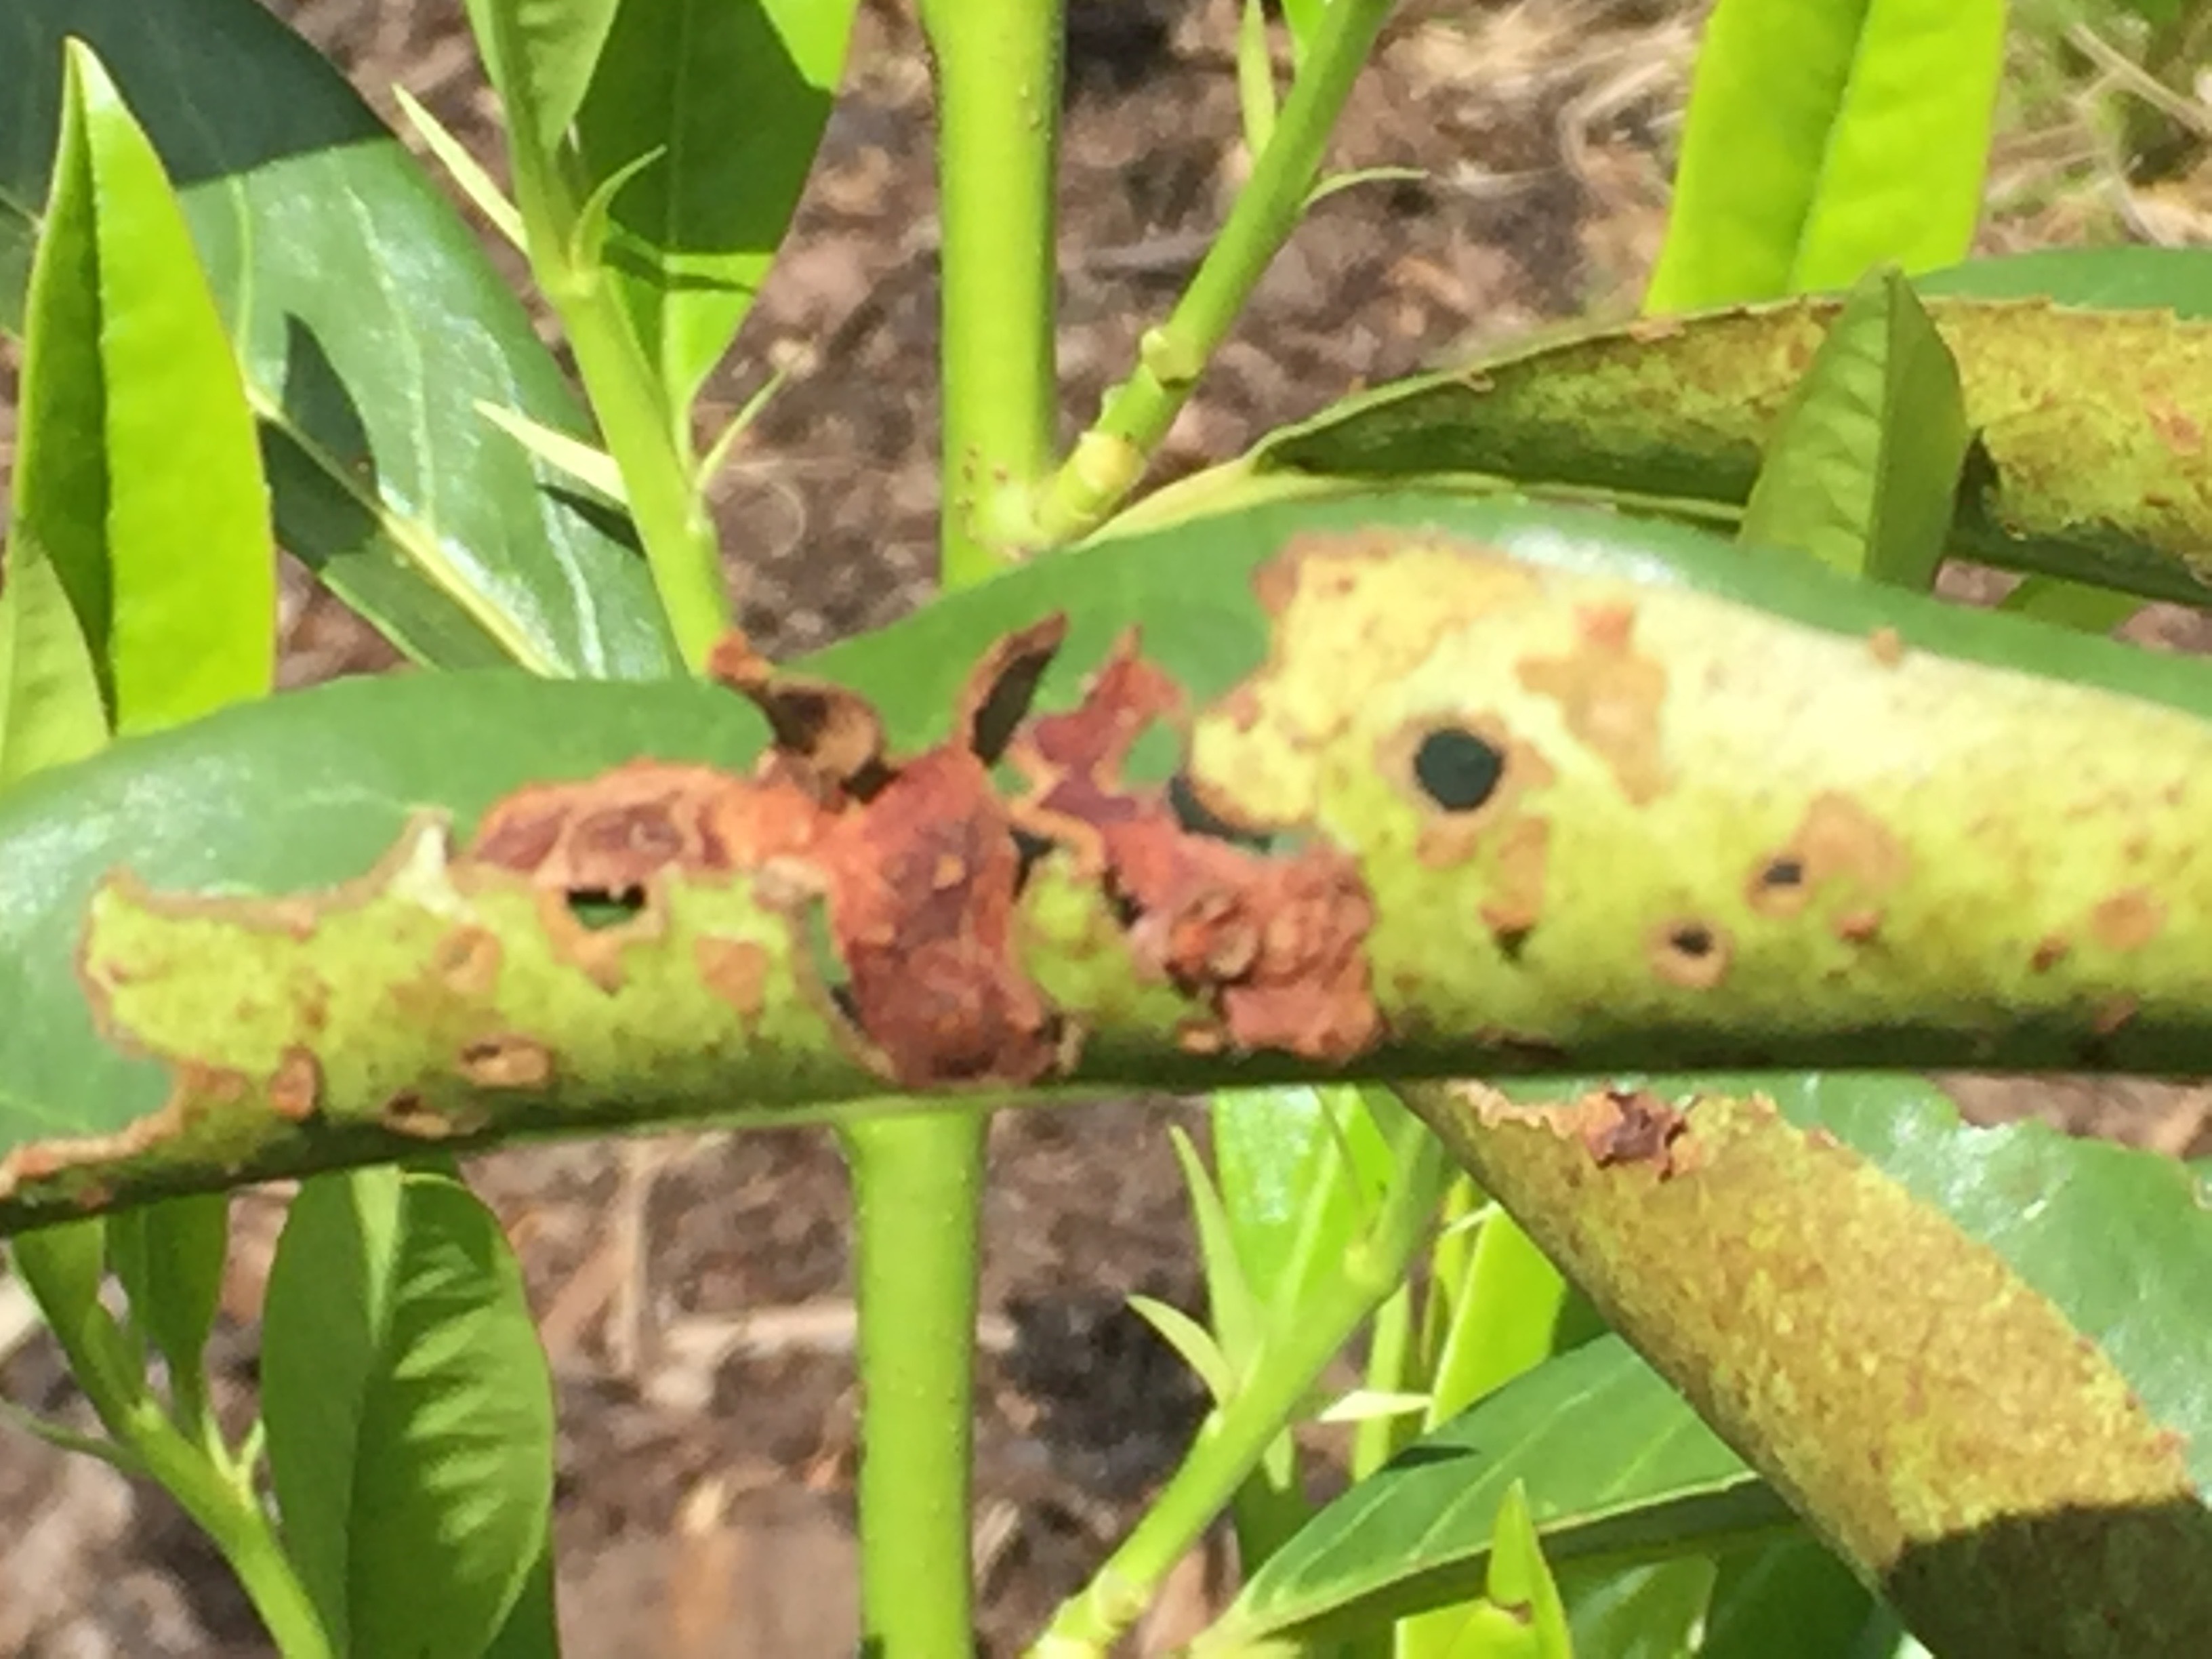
140, 480
62, 1267
2174, 279
1775, 700
1615, 1461
1255, 77
368, 325
2097, 467
736, 93
1863, 470
1520, 1580
409, 1413
1823, 140
1652, 1611
1503, 1317
50, 710
1193, 1341
1234, 1311
1793, 1596
169, 1257
541, 55
1298, 1167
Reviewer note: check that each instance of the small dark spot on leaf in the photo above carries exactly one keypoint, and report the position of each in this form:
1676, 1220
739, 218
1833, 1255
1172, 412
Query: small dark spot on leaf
1692, 940
1512, 942
1690, 952
600, 911
1782, 872
1457, 769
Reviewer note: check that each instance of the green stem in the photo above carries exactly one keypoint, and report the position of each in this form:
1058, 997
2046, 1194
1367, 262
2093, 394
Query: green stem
917, 1189
998, 103
1296, 1348
918, 1180
1111, 457
648, 439
231, 1516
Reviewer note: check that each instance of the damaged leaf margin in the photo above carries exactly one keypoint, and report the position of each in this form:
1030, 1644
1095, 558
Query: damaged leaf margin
1473, 814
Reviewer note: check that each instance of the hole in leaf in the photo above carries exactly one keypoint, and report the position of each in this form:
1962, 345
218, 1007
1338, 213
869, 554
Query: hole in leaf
1457, 769
600, 911
1197, 819
1782, 872
1692, 940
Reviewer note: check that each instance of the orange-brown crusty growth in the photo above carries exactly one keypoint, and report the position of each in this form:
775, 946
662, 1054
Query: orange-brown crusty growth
915, 860
1273, 945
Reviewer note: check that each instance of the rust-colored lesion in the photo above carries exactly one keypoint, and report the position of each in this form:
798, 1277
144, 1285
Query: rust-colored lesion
1838, 846
918, 865
1273, 945
1611, 697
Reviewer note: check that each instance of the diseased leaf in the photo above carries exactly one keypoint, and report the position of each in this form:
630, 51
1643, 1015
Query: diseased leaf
1755, 850
734, 96
1615, 1461
1968, 1355
368, 326
409, 1413
1824, 140
2099, 461
1863, 470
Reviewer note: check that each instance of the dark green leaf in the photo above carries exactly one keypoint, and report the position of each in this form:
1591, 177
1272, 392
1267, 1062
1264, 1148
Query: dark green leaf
62, 1267
734, 96
540, 54
368, 325
1792, 1596
1863, 470
169, 1257
2098, 469
1823, 140
1649, 1612
2174, 279
409, 1413
1616, 1464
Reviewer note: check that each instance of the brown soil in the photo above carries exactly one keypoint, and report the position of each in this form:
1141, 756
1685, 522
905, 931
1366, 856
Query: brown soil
693, 1291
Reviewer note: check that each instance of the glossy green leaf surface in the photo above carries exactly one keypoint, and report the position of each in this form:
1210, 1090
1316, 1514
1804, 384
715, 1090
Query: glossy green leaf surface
541, 54
2100, 462
734, 96
1791, 1596
2175, 279
1863, 470
169, 1260
1298, 1169
1824, 139
368, 325
134, 425
1616, 1465
310, 790
409, 1413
